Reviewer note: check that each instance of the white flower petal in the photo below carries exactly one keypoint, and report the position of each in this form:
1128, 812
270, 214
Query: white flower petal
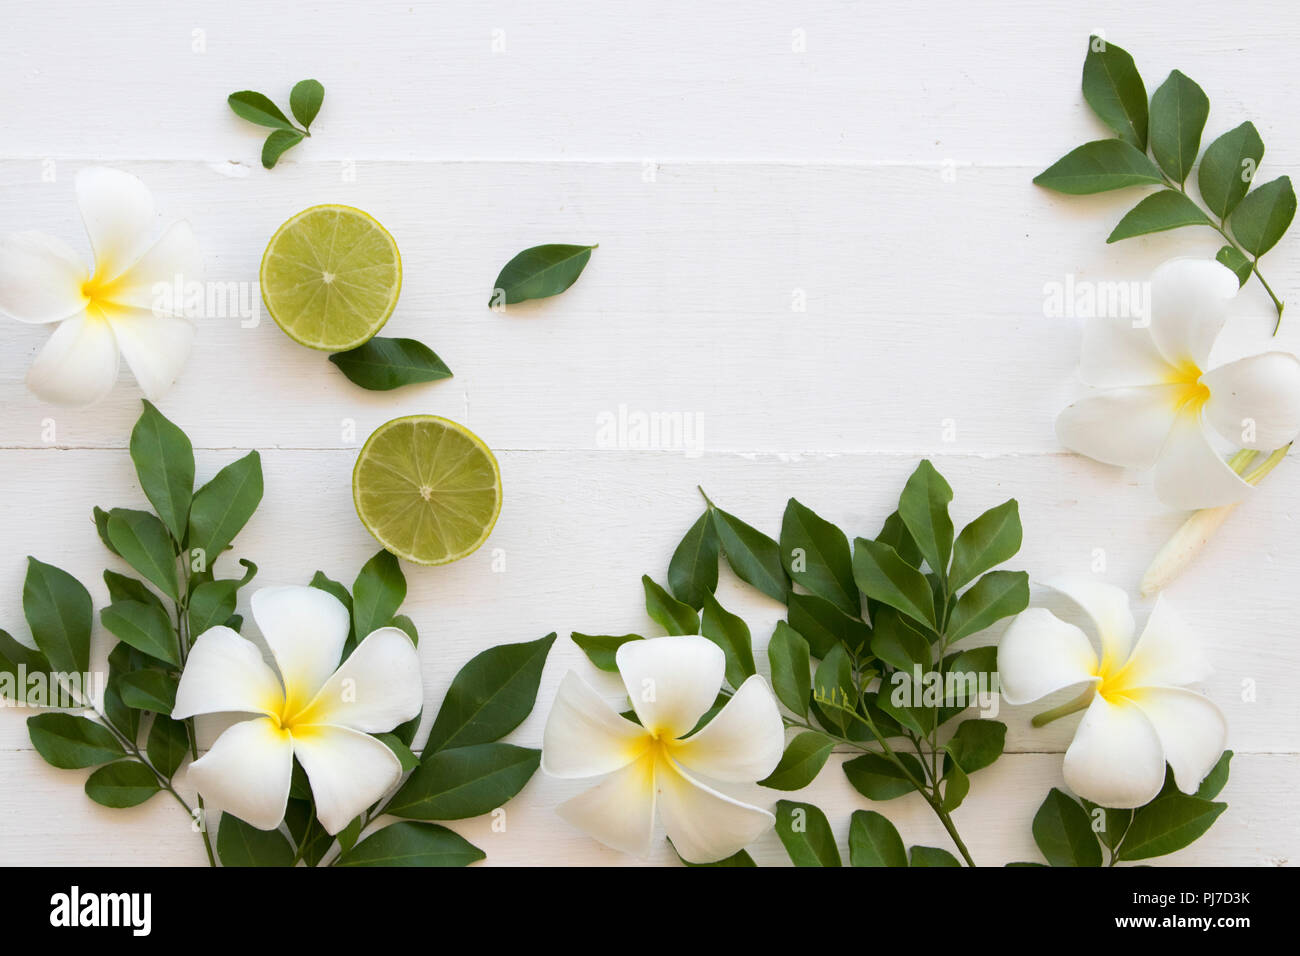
1116, 354
1167, 653
306, 630
620, 812
1041, 654
584, 737
705, 825
40, 278
1259, 394
118, 211
1107, 606
743, 742
348, 771
671, 681
155, 346
151, 282
1116, 758
1123, 426
78, 365
247, 772
1191, 475
1189, 305
1191, 728
375, 689
226, 673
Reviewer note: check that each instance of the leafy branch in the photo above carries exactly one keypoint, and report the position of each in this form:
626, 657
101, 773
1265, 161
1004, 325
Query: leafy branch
304, 102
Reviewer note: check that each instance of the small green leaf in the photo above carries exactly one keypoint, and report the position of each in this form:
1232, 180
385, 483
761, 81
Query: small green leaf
923, 508
806, 834
976, 744
1179, 109
932, 856
668, 612
144, 542
816, 554
1063, 832
1098, 167
121, 661
1159, 212
539, 272
213, 602
1114, 89
803, 759
377, 593
754, 556
401, 751
895, 534
277, 144
993, 537
824, 625
323, 582
1241, 266
70, 742
258, 109
123, 588
1227, 168
876, 777
787, 652
145, 627
305, 101
149, 690
1264, 215
412, 844
601, 649
996, 595
693, 570
873, 841
241, 844
1216, 779
898, 644
164, 463
465, 782
223, 506
126, 783
18, 659
1168, 823
956, 784
168, 745
101, 527
731, 634
885, 577
384, 364
59, 613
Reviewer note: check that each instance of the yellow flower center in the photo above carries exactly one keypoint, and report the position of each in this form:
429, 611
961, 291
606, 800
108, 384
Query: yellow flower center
1191, 393
99, 293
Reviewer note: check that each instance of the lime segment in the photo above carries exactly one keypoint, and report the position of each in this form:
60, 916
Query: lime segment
330, 277
427, 488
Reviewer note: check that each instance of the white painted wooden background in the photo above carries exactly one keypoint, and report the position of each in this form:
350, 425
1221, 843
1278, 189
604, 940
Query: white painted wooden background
727, 158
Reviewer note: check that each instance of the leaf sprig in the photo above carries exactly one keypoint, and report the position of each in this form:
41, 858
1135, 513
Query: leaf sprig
304, 102
1157, 144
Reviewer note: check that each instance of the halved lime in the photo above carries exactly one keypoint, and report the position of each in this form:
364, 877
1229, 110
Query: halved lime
330, 277
427, 488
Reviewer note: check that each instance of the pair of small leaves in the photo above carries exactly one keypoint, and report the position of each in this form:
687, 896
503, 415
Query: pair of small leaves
539, 272
305, 102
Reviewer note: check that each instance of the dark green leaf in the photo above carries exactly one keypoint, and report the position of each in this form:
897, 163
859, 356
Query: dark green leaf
60, 614
490, 696
307, 832
70, 742
169, 744
465, 782
833, 688
123, 588
1114, 89
1159, 212
258, 109
383, 364
806, 834
1216, 779
241, 844
405, 624
164, 462
1110, 825
1168, 823
731, 634
277, 144
101, 527
305, 101
668, 612
145, 544
956, 784
600, 649
1227, 168
693, 570
401, 751
1264, 215
873, 841
223, 506
1064, 834
124, 718
898, 644
213, 602
377, 593
824, 625
149, 690
20, 661
986, 542
322, 582
932, 856
1098, 167
923, 508
1240, 265
754, 556
976, 744
816, 554
787, 652
126, 783
996, 595
895, 534
347, 837
885, 577
1179, 109
539, 272
803, 759
876, 777
412, 844
145, 627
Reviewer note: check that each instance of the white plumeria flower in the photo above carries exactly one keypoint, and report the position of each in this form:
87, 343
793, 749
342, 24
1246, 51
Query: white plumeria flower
316, 709
672, 682
113, 311
1161, 403
1139, 713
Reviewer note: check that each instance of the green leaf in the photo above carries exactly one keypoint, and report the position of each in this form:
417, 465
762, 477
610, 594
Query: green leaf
1241, 266
213, 602
305, 101
398, 746
956, 784
1064, 834
101, 527
412, 844
144, 542
223, 506
539, 272
805, 834
124, 718
384, 364
833, 687
241, 844
816, 554
145, 627
973, 665
1179, 109
1264, 215
307, 832
754, 556
996, 595
126, 783
1159, 212
1168, 823
60, 614
993, 537
465, 782
803, 759
731, 634
1227, 168
885, 577
600, 648
1099, 167
123, 588
976, 744
377, 593
149, 690
1114, 89
16, 657
898, 644
70, 742
1216, 779
168, 745
668, 612
258, 109
824, 625
164, 463
923, 508
877, 778
895, 534
322, 582
738, 859
347, 837
277, 144
932, 856
787, 652
873, 841
693, 570
490, 696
